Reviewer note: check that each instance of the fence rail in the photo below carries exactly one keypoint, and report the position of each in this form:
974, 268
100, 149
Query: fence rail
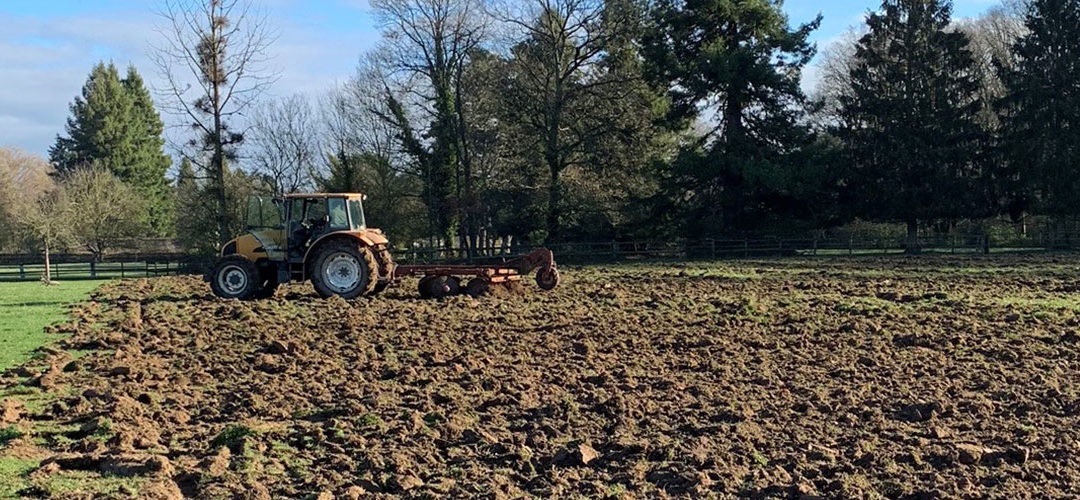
62, 269
709, 249
76, 267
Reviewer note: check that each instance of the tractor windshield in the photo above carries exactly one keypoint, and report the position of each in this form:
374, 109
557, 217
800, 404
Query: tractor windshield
264, 212
356, 213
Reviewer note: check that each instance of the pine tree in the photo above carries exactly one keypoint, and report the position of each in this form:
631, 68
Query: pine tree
743, 60
1041, 109
114, 124
910, 123
149, 177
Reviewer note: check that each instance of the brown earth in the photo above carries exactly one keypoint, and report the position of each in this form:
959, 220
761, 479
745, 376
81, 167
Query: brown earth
850, 378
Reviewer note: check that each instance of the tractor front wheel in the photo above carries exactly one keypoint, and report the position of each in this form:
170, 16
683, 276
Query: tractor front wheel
235, 277
345, 269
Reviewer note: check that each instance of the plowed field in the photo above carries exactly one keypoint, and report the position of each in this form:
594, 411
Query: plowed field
864, 378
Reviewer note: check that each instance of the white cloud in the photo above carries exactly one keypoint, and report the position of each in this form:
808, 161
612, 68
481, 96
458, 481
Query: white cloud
45, 62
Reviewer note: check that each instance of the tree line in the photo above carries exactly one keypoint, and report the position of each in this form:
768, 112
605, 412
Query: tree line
522, 122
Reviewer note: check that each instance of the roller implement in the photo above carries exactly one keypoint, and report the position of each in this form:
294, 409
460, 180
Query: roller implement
323, 238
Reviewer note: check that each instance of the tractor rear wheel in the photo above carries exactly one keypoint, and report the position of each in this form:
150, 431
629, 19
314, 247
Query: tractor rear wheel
235, 277
344, 268
386, 268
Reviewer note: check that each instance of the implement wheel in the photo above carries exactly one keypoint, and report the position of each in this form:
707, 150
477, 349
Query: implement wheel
547, 279
344, 268
437, 287
235, 277
477, 287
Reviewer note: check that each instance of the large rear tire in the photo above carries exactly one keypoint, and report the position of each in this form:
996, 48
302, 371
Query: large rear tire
386, 268
344, 268
235, 277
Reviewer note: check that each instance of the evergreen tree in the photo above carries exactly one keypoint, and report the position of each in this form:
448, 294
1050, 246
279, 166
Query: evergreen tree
1041, 109
742, 59
114, 124
910, 124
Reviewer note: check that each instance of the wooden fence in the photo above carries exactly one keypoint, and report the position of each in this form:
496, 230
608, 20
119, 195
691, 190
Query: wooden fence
74, 267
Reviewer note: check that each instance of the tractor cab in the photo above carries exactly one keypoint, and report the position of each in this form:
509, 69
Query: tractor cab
310, 217
287, 226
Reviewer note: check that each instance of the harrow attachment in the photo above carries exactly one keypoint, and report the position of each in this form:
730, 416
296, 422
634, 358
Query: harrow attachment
439, 281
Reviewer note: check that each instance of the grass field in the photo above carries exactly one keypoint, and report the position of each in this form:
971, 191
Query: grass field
27, 308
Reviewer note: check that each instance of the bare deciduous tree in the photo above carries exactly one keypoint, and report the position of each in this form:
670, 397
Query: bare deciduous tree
427, 43
45, 218
558, 87
21, 176
215, 65
103, 209
284, 143
992, 36
834, 76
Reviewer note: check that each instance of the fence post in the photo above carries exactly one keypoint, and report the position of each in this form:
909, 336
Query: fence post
121, 269
22, 271
712, 248
614, 251
851, 245
746, 247
815, 247
93, 270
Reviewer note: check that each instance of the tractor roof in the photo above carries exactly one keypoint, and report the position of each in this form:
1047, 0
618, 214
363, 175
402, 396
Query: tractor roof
358, 196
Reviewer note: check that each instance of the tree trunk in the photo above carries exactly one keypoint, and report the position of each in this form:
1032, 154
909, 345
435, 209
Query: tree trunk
554, 195
48, 265
912, 244
218, 160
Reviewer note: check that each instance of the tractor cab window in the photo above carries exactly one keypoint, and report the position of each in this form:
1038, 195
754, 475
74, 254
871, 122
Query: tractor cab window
308, 219
339, 219
264, 212
315, 212
356, 213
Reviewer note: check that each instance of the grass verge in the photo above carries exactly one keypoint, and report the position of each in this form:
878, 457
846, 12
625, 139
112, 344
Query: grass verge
26, 308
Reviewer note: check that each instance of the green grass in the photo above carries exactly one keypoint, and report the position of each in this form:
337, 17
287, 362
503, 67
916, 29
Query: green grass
26, 308
12, 475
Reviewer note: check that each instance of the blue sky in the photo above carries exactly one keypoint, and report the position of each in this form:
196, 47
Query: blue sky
47, 47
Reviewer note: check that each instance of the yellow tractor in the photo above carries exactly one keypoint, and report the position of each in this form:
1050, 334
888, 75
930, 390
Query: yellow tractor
323, 237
